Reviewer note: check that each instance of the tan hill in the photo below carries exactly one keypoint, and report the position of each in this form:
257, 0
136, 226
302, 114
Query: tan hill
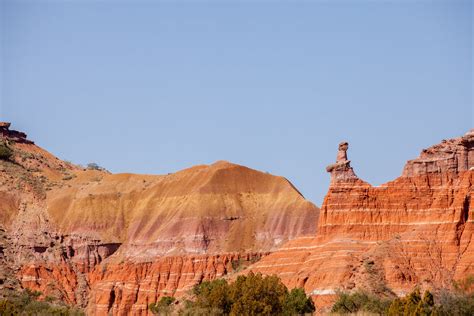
204, 209
413, 231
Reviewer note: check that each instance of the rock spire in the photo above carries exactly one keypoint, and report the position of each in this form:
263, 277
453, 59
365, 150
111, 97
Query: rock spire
341, 171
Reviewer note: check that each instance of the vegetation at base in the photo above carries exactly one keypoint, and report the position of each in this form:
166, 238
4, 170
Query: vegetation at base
163, 307
5, 151
360, 301
27, 302
251, 294
459, 302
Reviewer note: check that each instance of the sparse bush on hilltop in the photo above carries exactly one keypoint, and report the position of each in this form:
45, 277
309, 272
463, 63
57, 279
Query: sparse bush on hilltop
5, 151
94, 166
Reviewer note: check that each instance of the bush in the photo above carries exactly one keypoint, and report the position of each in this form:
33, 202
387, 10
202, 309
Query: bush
213, 295
94, 166
458, 302
252, 294
411, 305
298, 303
360, 301
5, 151
163, 307
28, 303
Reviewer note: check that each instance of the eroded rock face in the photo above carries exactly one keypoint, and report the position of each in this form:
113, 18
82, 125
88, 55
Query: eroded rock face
453, 155
218, 208
13, 135
415, 230
113, 243
126, 289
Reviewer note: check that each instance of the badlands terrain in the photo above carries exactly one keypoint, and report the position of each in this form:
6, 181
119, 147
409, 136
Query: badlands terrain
114, 243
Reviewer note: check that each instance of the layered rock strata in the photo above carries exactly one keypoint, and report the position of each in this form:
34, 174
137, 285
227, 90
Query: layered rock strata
13, 135
413, 231
113, 243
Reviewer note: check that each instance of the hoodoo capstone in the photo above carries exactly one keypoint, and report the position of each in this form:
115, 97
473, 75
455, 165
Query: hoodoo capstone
341, 170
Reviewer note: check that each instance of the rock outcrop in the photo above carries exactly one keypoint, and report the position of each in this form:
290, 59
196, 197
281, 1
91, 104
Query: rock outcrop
415, 230
13, 135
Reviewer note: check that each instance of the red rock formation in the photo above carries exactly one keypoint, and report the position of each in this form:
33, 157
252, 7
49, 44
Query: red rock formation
116, 242
415, 230
128, 288
113, 243
16, 136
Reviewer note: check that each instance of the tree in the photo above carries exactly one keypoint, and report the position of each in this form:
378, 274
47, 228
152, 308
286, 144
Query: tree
411, 303
396, 308
297, 303
360, 301
254, 294
213, 295
251, 294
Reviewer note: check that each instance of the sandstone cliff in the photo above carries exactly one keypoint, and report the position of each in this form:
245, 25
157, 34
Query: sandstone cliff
415, 230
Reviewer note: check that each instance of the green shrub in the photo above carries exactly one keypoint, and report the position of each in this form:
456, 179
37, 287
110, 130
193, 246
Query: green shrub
251, 294
94, 166
254, 294
298, 303
411, 305
360, 302
163, 307
213, 295
27, 303
5, 151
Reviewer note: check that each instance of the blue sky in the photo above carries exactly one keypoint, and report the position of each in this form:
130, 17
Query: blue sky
157, 86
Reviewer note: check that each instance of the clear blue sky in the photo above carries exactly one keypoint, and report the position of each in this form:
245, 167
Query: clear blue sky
154, 87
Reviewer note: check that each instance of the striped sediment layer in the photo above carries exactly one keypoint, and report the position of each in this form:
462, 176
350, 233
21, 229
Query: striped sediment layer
413, 231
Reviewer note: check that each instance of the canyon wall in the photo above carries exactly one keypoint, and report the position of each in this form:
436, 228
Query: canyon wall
114, 243
413, 231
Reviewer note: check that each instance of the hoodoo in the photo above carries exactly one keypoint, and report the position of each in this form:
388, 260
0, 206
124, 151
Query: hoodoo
341, 170
114, 243
413, 231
